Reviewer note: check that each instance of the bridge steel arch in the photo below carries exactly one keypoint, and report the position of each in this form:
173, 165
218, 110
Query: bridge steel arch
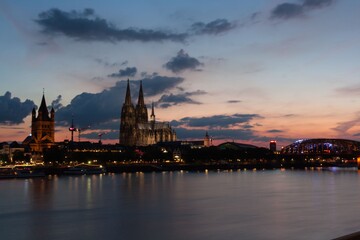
322, 146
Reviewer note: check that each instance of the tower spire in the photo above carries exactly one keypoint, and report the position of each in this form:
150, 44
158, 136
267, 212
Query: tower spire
141, 96
43, 110
141, 109
128, 95
152, 116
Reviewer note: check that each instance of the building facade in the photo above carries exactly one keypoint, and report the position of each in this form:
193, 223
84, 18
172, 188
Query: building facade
8, 151
136, 129
207, 140
42, 129
272, 145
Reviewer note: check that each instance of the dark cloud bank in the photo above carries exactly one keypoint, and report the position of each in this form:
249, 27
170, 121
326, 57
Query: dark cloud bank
101, 111
87, 26
223, 127
12, 110
216, 121
96, 109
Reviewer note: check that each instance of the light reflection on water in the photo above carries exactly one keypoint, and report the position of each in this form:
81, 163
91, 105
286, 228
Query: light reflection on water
311, 204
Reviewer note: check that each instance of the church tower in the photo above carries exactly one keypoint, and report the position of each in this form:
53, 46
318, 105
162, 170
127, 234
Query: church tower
141, 109
152, 116
207, 140
135, 127
42, 128
128, 120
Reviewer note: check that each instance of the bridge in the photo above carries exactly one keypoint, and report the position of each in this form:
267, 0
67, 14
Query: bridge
338, 151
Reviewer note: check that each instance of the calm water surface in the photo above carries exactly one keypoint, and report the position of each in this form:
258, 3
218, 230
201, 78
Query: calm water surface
183, 205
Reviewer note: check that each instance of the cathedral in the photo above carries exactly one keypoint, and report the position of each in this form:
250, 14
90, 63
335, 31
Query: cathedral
135, 127
42, 129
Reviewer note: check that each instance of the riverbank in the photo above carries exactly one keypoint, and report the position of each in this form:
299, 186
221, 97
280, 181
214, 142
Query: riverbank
160, 167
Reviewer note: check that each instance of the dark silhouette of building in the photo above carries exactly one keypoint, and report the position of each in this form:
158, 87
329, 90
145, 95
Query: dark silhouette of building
272, 145
42, 129
236, 146
135, 127
207, 140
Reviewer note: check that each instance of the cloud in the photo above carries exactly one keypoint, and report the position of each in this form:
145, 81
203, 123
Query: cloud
181, 62
154, 85
217, 121
127, 72
227, 134
275, 131
213, 28
254, 17
86, 26
292, 10
317, 3
168, 100
290, 115
343, 127
233, 101
222, 127
13, 111
350, 90
148, 75
56, 104
103, 108
109, 64
287, 10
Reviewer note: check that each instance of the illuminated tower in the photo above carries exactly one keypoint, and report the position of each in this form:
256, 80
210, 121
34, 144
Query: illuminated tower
72, 129
152, 116
273, 146
42, 128
141, 109
135, 127
128, 120
207, 140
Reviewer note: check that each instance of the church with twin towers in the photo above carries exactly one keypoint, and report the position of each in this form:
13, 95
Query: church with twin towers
136, 129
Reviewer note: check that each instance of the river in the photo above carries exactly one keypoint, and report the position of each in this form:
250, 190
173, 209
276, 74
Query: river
269, 204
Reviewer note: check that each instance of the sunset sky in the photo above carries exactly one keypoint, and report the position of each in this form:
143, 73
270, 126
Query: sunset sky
245, 71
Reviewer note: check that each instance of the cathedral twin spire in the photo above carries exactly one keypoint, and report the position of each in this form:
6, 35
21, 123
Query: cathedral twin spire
141, 113
128, 101
152, 116
135, 127
141, 96
128, 94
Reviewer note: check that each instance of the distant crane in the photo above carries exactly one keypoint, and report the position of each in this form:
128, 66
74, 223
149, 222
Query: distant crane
100, 135
73, 129
79, 130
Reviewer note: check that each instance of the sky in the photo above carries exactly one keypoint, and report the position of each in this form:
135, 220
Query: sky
244, 71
